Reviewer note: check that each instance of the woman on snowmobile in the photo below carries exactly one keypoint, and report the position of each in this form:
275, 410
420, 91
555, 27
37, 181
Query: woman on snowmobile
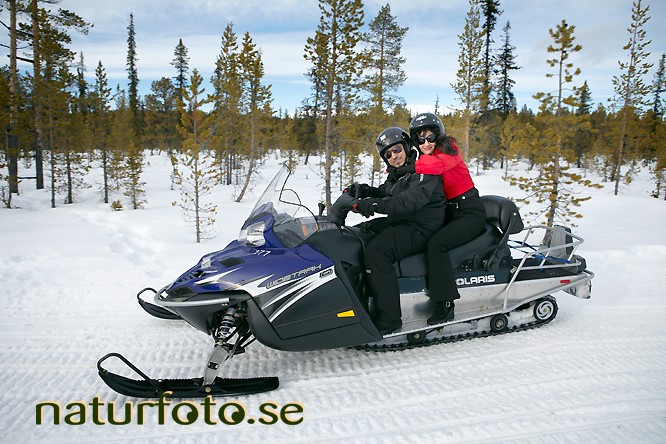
465, 213
414, 205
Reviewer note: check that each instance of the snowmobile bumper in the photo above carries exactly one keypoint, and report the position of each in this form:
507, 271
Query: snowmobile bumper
153, 309
181, 388
582, 290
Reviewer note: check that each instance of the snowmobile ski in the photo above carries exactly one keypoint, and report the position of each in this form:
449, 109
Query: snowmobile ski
181, 388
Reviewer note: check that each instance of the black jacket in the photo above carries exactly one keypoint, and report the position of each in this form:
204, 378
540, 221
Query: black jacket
413, 199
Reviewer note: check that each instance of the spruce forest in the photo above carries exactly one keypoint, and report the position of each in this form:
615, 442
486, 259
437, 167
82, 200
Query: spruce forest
59, 126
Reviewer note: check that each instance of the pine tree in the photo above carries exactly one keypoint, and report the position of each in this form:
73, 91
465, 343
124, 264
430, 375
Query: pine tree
133, 75
556, 185
603, 146
67, 162
60, 22
584, 100
630, 91
382, 60
161, 116
657, 152
121, 139
227, 102
304, 132
12, 98
256, 101
470, 75
490, 11
519, 136
584, 135
100, 124
6, 116
37, 102
506, 62
195, 168
658, 88
181, 63
383, 77
55, 101
81, 104
131, 175
658, 168
336, 65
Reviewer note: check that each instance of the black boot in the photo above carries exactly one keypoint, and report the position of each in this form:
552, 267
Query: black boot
443, 312
386, 327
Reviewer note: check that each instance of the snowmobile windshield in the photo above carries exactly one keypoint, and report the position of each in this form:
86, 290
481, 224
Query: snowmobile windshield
280, 211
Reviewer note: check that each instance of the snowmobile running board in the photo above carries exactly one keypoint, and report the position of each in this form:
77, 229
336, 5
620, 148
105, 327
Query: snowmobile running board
419, 338
181, 388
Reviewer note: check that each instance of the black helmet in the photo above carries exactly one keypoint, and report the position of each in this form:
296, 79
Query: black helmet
390, 137
425, 121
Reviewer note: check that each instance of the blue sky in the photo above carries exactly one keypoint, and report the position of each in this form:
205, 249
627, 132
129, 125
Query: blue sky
280, 28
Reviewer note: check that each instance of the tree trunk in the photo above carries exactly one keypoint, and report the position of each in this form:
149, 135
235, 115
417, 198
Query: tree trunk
466, 132
36, 97
328, 138
105, 173
53, 172
250, 167
12, 138
70, 180
620, 155
250, 170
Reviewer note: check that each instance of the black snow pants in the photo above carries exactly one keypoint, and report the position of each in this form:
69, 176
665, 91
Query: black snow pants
389, 246
465, 219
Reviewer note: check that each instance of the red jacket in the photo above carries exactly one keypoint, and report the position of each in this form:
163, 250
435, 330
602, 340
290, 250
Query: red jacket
456, 179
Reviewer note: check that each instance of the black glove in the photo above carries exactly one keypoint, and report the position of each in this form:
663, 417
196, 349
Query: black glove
338, 211
367, 207
358, 190
405, 169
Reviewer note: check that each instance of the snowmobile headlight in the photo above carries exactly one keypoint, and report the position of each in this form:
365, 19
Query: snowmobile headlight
253, 235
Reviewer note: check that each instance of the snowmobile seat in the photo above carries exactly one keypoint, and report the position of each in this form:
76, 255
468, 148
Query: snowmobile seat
487, 249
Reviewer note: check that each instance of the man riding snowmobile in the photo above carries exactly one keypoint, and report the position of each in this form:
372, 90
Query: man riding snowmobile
414, 205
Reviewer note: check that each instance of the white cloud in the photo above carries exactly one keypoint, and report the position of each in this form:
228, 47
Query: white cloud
281, 27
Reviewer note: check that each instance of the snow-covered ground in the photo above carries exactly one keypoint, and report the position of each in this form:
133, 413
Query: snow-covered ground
69, 276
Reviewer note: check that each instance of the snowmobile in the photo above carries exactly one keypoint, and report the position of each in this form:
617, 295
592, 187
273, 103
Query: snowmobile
295, 281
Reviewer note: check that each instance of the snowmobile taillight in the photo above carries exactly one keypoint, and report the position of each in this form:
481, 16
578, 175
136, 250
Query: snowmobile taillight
253, 235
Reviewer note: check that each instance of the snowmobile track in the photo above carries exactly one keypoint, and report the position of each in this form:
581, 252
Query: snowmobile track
450, 339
